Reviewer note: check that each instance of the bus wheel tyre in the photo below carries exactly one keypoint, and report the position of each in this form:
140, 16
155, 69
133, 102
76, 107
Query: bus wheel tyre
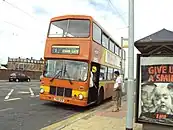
100, 96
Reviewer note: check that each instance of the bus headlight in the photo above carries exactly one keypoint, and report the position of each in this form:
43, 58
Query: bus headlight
41, 90
80, 96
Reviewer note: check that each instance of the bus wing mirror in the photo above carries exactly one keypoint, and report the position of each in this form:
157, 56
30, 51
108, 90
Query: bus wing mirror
94, 69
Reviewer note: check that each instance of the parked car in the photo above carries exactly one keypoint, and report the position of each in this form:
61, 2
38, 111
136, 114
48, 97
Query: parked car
19, 77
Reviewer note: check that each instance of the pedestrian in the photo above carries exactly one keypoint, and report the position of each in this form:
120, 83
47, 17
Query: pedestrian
117, 92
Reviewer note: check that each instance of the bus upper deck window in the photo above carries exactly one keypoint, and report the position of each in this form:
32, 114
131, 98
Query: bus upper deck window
69, 28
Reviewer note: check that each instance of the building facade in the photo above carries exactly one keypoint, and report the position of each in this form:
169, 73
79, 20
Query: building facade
26, 64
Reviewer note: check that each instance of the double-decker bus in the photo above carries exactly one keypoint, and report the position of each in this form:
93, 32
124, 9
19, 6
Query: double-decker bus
80, 58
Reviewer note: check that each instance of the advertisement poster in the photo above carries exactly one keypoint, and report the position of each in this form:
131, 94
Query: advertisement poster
155, 90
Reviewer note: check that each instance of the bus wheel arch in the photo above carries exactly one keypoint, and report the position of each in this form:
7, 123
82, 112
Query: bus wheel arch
100, 95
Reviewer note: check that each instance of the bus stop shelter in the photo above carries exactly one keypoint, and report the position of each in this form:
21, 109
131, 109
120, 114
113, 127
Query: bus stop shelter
160, 42
154, 49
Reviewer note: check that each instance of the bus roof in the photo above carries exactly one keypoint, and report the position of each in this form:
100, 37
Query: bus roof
85, 17
71, 16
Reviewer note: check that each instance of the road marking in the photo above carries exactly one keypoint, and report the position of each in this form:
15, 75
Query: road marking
23, 92
6, 109
7, 97
12, 99
32, 93
37, 95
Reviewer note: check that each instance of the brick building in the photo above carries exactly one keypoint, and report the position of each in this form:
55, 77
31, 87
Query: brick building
27, 64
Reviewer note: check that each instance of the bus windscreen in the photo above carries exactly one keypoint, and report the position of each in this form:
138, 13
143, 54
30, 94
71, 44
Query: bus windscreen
69, 28
66, 69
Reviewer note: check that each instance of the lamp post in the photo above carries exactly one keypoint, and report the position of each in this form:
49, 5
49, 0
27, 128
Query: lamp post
130, 86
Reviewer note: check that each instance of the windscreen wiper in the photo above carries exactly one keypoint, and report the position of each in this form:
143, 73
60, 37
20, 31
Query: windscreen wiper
69, 77
65, 71
56, 75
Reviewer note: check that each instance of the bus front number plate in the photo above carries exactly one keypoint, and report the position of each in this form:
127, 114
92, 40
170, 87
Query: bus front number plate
59, 99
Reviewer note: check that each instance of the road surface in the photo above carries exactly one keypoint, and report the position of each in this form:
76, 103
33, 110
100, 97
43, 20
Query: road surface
21, 109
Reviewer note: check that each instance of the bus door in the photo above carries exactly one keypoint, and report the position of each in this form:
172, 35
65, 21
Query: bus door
94, 82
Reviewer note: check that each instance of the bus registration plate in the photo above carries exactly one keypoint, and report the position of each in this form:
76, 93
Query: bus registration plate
59, 99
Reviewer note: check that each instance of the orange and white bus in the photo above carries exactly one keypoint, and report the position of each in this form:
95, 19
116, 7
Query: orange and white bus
80, 58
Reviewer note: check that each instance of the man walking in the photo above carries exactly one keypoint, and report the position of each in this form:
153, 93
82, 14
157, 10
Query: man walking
117, 92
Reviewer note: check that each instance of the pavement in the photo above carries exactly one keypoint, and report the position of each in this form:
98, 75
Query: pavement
101, 119
21, 108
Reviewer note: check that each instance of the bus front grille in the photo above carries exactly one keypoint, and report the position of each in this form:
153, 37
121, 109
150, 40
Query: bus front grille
52, 90
68, 92
60, 91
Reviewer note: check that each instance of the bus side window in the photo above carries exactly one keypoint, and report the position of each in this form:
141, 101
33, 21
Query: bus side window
110, 73
102, 73
101, 76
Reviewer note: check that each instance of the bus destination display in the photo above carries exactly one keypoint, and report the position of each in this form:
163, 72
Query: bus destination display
65, 49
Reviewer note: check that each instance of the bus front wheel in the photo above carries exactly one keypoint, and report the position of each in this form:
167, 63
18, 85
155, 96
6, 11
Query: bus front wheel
100, 96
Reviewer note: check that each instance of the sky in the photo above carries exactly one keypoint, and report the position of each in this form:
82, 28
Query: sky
24, 23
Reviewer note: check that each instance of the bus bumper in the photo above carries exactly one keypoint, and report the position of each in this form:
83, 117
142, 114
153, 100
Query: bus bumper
65, 100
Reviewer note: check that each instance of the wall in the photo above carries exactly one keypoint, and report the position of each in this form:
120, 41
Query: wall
4, 74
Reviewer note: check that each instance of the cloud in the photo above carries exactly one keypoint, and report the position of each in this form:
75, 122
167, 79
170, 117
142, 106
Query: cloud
23, 31
101, 5
24, 24
152, 16
39, 10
